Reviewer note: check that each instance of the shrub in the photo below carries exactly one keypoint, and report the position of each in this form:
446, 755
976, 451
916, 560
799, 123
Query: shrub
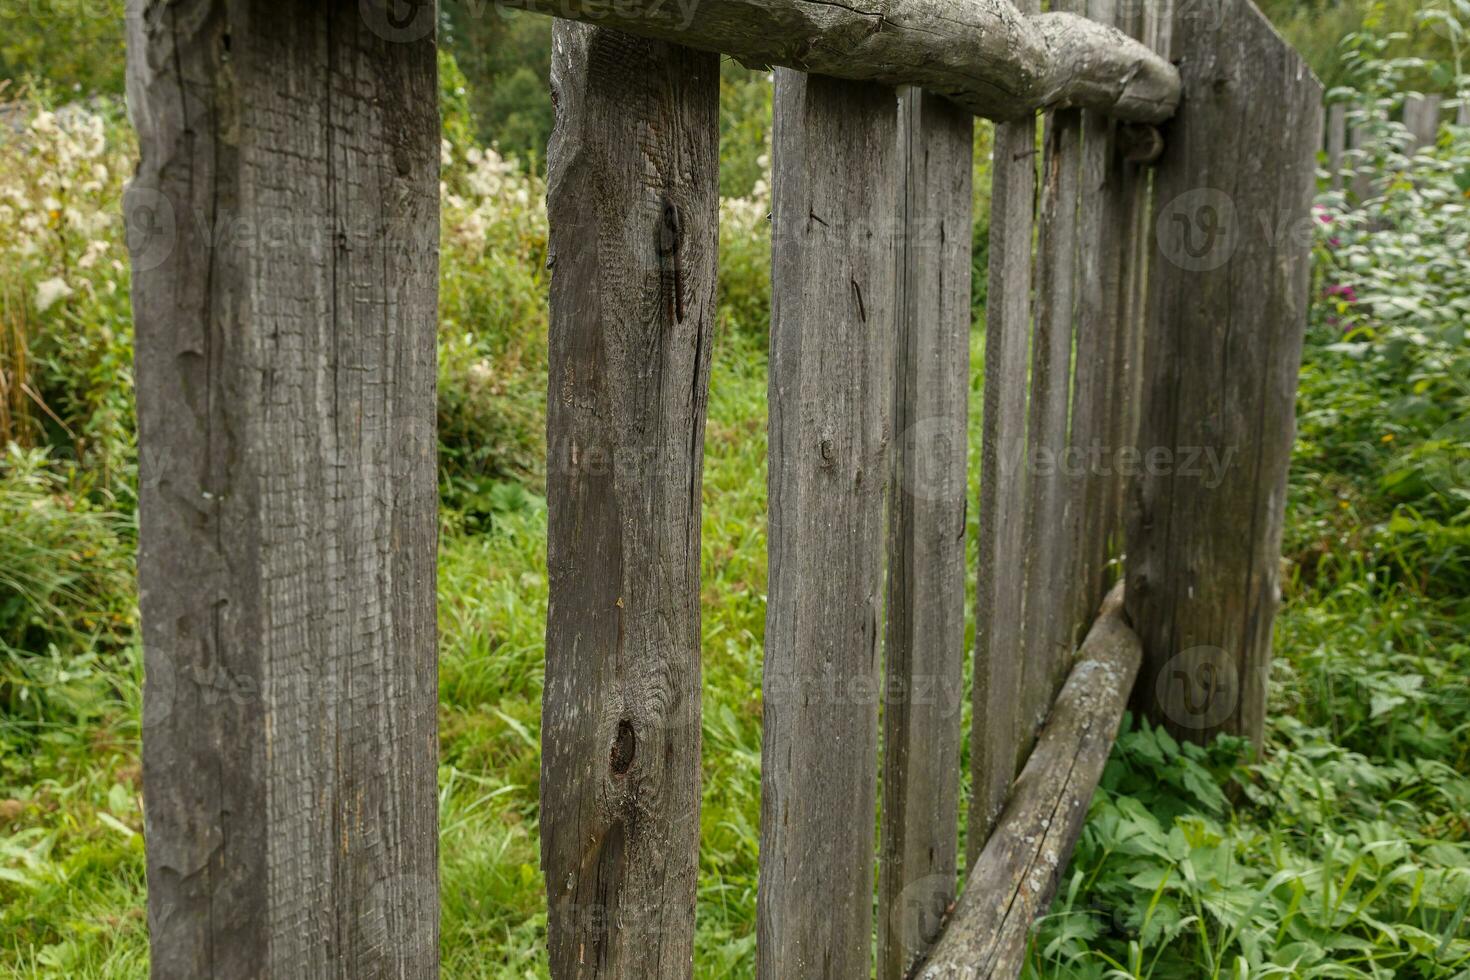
65, 325
1386, 399
492, 330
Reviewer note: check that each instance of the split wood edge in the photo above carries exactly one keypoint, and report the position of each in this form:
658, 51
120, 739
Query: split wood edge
1016, 874
984, 55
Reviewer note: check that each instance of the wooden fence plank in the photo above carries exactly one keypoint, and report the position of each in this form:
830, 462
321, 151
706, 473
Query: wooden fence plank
1122, 240
1336, 142
1015, 877
1421, 118
1229, 280
633, 175
831, 390
284, 230
1102, 214
925, 633
995, 745
1152, 24
1047, 641
1361, 186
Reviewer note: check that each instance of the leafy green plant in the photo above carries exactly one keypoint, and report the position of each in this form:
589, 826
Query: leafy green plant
74, 45
1391, 322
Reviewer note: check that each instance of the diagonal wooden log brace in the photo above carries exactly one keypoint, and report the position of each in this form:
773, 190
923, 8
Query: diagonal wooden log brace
1013, 879
984, 55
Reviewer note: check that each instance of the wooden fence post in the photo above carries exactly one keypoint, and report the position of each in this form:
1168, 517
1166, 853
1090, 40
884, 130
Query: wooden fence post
1421, 118
283, 227
925, 637
996, 695
1361, 186
1336, 142
1227, 311
1046, 636
831, 391
1102, 215
633, 183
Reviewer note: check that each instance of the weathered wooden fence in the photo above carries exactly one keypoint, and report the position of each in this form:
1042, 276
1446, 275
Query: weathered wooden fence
1147, 290
1421, 116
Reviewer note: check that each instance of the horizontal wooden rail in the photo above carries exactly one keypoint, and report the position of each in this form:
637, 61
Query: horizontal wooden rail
1016, 874
984, 55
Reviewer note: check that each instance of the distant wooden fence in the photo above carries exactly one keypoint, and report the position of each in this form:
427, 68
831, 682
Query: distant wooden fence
1421, 117
1147, 301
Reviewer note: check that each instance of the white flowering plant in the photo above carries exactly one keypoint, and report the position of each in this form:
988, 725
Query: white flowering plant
492, 327
65, 326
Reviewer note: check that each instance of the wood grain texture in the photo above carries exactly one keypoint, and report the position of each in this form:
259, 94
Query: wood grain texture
995, 745
984, 55
1047, 640
1336, 142
1101, 223
633, 178
1360, 179
1125, 383
1421, 118
833, 316
924, 646
1227, 310
284, 230
1015, 877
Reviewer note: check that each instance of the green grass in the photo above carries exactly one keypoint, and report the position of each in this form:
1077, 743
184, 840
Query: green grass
1347, 830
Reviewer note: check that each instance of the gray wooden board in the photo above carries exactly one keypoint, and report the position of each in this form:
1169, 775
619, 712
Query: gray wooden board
1125, 383
1421, 118
1047, 640
1229, 273
833, 316
1101, 223
996, 715
632, 197
284, 229
924, 644
1336, 141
